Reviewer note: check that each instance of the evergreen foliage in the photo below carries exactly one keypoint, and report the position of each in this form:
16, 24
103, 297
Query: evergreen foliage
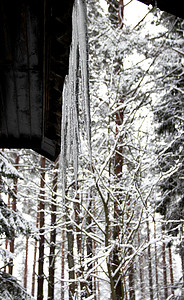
168, 113
12, 223
10, 289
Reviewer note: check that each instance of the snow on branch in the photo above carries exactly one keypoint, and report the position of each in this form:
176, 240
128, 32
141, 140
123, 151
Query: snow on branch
12, 223
11, 289
6, 168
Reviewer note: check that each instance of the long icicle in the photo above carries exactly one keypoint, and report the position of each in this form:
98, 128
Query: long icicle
83, 52
70, 109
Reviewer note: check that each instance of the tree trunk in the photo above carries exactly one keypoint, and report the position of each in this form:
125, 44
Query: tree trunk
131, 271
181, 252
121, 13
62, 263
26, 264
164, 269
80, 256
70, 258
79, 237
131, 278
109, 263
70, 252
52, 256
35, 254
7, 241
41, 231
156, 262
118, 280
171, 270
89, 243
150, 276
34, 270
141, 272
26, 257
14, 207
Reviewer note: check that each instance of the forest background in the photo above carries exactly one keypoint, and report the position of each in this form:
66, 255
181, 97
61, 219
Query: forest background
110, 223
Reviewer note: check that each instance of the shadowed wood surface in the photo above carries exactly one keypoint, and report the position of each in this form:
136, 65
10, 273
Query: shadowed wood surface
35, 38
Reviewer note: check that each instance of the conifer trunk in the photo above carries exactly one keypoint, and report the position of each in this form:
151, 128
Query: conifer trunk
150, 275
34, 270
118, 280
141, 271
35, 254
26, 257
164, 269
156, 262
121, 13
109, 263
26, 264
62, 263
130, 252
14, 207
79, 237
7, 241
70, 252
89, 242
70, 258
171, 270
41, 231
52, 255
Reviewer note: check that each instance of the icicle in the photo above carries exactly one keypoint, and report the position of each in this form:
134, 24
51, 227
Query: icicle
83, 52
74, 97
70, 110
63, 137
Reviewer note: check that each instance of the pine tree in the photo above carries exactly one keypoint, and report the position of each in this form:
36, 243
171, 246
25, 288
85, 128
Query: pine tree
12, 224
168, 113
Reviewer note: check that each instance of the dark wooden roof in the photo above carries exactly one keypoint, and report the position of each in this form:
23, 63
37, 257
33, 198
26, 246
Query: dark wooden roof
174, 7
35, 37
